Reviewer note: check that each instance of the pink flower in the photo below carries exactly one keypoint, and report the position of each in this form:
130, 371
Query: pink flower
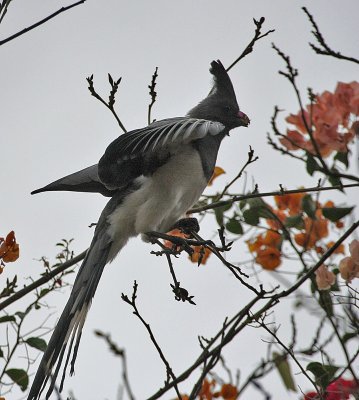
354, 250
349, 266
324, 278
340, 389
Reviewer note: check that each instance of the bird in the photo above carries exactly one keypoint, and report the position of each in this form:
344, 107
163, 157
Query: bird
152, 176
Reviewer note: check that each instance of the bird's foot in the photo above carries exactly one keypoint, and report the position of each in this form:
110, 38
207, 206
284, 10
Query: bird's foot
187, 225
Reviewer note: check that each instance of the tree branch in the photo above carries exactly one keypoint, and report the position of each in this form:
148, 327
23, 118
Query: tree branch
25, 30
45, 278
324, 49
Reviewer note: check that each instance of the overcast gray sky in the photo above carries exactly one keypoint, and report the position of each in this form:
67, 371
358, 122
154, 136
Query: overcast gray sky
50, 126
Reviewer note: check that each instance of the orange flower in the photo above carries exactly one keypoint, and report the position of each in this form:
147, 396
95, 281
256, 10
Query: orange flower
297, 121
339, 250
314, 231
9, 249
292, 202
206, 392
268, 258
229, 392
271, 239
293, 140
273, 223
200, 251
174, 232
216, 173
255, 245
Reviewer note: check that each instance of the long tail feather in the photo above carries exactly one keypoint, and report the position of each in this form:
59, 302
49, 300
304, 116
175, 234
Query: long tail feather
65, 340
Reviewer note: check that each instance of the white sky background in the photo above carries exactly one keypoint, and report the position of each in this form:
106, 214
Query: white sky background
50, 126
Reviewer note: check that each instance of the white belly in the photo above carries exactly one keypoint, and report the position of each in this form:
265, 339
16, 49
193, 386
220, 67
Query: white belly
161, 200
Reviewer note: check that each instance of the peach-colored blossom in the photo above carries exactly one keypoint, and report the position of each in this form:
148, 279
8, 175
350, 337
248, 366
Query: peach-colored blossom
329, 118
324, 278
354, 250
348, 269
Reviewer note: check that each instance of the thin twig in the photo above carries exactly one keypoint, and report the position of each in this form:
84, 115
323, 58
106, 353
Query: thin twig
251, 159
119, 353
325, 49
25, 30
111, 102
237, 328
257, 36
236, 199
153, 95
290, 352
133, 304
45, 278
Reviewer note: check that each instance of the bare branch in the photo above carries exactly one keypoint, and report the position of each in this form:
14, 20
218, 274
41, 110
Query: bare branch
119, 353
153, 95
111, 100
257, 36
133, 304
25, 30
324, 49
256, 194
45, 278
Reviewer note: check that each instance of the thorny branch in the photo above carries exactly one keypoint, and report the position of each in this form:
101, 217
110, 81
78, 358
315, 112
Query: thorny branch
324, 50
31, 27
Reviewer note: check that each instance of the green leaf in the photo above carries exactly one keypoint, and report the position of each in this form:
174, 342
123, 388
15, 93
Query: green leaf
323, 373
19, 376
309, 206
219, 211
256, 202
234, 226
251, 216
311, 164
335, 180
265, 212
349, 335
284, 370
43, 292
7, 318
334, 214
295, 221
326, 302
20, 314
343, 158
1, 353
37, 343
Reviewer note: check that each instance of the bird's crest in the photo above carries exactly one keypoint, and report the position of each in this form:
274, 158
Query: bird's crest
222, 81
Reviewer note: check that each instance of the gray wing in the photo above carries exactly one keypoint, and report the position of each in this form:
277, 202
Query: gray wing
86, 180
142, 151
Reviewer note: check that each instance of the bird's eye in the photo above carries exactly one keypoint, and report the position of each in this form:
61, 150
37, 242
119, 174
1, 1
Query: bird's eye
227, 109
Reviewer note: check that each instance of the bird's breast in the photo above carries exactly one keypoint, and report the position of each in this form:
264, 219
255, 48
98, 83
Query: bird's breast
161, 198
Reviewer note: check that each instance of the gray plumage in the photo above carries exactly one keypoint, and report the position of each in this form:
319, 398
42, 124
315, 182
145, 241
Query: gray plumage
175, 157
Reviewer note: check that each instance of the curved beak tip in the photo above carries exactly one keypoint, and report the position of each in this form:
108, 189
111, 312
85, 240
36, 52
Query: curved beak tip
244, 118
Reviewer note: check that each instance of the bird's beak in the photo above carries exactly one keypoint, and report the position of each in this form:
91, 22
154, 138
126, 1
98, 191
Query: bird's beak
244, 120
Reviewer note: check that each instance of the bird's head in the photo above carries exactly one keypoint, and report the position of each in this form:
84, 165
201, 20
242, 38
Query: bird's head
221, 103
